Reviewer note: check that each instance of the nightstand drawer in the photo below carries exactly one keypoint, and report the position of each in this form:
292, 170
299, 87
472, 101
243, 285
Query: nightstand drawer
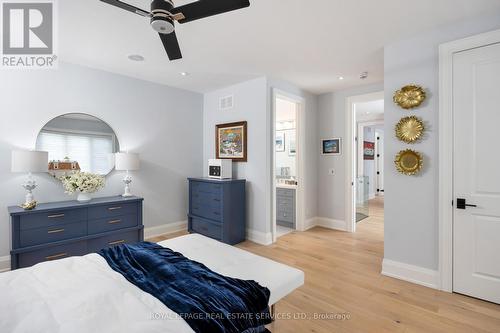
200, 188
112, 210
52, 253
112, 223
52, 218
118, 238
51, 234
208, 212
206, 228
204, 198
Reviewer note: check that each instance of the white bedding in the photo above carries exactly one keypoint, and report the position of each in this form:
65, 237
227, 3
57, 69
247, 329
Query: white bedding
83, 294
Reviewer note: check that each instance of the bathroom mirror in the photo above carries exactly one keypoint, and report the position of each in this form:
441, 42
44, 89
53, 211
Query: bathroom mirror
78, 142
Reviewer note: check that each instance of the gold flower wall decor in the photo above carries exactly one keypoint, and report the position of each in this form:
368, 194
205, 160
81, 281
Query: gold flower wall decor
409, 162
410, 96
410, 129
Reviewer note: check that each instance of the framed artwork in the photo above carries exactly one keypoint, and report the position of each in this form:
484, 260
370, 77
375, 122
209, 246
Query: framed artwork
368, 150
331, 146
292, 146
280, 141
231, 141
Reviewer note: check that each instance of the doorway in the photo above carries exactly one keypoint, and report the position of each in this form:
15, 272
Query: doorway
470, 195
287, 164
364, 157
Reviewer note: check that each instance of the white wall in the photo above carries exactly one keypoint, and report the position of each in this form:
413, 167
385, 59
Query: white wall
162, 124
250, 104
411, 211
331, 123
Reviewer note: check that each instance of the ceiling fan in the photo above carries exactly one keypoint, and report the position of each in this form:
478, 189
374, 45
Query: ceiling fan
163, 14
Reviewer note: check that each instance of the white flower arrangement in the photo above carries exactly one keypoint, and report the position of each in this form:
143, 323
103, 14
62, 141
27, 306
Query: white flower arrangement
83, 182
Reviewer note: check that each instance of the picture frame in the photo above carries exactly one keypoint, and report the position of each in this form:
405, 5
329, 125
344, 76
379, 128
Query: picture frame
231, 141
280, 141
331, 147
368, 151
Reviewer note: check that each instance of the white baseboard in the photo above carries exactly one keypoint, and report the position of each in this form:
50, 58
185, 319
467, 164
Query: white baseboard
331, 223
4, 264
414, 274
259, 237
310, 223
165, 229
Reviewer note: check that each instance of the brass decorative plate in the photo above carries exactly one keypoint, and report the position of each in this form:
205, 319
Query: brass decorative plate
410, 96
409, 162
410, 129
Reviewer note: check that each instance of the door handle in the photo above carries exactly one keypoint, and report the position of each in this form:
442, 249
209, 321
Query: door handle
462, 204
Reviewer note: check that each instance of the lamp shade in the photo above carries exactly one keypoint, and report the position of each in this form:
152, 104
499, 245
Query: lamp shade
29, 161
127, 161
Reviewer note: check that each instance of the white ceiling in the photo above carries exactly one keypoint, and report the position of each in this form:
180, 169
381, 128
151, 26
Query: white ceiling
367, 111
307, 42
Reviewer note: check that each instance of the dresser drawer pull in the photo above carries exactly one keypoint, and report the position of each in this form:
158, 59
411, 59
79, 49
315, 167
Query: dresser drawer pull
218, 200
117, 242
56, 256
56, 231
55, 216
114, 208
114, 221
216, 213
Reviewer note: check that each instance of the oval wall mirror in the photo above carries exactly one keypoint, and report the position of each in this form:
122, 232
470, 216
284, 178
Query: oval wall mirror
78, 142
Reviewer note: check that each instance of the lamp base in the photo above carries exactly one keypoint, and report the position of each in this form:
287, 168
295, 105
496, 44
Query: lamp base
127, 180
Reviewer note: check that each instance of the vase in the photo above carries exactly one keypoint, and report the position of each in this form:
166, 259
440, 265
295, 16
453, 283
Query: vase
83, 197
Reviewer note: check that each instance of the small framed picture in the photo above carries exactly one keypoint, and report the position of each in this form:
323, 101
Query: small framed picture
280, 141
331, 146
292, 146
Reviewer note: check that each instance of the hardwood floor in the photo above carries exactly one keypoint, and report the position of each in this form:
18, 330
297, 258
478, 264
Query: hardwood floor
342, 273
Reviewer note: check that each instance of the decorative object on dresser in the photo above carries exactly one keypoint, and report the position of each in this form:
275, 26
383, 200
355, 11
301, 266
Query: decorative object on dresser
231, 141
127, 162
84, 183
28, 162
217, 209
63, 229
220, 169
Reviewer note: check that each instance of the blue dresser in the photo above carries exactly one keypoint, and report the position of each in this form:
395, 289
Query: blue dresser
63, 229
217, 209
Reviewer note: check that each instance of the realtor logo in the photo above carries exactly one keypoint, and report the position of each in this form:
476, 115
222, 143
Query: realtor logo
28, 34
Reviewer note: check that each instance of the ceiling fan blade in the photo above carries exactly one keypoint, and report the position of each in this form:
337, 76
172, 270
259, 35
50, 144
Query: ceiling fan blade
127, 7
171, 45
205, 8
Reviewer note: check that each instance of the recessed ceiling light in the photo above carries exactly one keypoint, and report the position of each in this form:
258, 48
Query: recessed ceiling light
184, 73
136, 57
341, 78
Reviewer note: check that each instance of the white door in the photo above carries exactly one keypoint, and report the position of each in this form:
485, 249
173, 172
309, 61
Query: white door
379, 134
476, 230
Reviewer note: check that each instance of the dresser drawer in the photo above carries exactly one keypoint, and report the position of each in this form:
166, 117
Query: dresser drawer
52, 218
51, 234
118, 238
285, 192
285, 201
52, 253
112, 210
200, 188
112, 223
205, 198
285, 215
207, 211
206, 228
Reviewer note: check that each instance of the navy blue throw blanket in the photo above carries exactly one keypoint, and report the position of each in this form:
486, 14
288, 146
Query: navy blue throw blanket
207, 301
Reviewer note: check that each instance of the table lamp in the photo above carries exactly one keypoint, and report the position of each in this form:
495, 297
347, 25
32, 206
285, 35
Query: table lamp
127, 162
29, 162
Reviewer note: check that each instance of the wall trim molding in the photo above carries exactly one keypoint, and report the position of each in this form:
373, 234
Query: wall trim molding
164, 229
4, 264
325, 223
259, 237
414, 274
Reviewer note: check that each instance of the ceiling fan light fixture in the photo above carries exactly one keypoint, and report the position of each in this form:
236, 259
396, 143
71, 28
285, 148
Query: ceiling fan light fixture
163, 25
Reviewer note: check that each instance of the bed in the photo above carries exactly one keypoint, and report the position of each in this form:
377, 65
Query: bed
83, 294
